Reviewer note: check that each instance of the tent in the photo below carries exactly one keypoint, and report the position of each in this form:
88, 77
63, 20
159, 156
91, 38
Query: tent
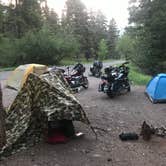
156, 88
20, 74
41, 99
2, 122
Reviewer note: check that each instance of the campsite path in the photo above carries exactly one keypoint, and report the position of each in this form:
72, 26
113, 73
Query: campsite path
123, 113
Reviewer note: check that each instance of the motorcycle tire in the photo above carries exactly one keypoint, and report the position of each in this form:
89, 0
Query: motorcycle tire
98, 75
109, 94
86, 83
128, 87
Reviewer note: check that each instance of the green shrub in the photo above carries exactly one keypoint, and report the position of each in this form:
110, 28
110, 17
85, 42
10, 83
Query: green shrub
7, 51
42, 47
137, 78
45, 48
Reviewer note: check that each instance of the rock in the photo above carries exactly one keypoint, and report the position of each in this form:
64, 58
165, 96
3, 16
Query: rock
74, 149
32, 154
96, 155
85, 151
109, 159
123, 109
33, 159
146, 131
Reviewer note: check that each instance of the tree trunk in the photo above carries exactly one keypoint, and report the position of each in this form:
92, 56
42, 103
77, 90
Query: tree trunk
2, 122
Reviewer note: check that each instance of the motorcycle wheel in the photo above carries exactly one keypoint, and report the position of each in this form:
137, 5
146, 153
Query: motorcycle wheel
128, 87
86, 83
98, 74
109, 94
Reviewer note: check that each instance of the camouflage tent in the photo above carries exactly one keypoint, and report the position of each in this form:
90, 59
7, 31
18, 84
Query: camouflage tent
2, 122
41, 99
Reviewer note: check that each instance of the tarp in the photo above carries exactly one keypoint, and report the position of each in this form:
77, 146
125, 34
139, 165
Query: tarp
156, 88
41, 99
20, 74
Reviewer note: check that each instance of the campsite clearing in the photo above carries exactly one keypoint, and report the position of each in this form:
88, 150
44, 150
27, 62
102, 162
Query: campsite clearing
122, 114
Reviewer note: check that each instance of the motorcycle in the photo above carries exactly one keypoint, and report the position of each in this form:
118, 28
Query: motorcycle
96, 69
115, 81
76, 77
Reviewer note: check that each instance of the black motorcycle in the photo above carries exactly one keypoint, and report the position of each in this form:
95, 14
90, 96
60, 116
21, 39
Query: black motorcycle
96, 69
115, 81
76, 77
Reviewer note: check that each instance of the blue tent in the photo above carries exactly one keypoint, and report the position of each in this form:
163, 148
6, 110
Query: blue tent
156, 88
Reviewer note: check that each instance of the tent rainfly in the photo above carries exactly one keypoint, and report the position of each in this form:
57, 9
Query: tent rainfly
20, 74
156, 88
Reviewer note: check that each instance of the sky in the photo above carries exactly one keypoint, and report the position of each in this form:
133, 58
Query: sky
116, 9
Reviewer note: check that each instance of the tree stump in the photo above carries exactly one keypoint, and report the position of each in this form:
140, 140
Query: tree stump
2, 122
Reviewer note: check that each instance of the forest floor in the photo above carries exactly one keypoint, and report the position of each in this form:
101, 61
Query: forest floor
124, 113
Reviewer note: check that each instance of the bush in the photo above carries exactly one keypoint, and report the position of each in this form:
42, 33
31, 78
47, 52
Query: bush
7, 51
45, 48
138, 78
42, 47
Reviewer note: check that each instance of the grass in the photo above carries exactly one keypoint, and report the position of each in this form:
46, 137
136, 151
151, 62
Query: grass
136, 77
7, 69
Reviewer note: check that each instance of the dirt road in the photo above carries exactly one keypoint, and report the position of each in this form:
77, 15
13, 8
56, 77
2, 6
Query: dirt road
122, 114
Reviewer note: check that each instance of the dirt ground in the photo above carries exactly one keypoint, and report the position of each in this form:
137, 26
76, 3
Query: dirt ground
123, 113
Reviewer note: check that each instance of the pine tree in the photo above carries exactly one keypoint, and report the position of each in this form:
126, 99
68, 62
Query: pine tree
103, 50
149, 20
112, 38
